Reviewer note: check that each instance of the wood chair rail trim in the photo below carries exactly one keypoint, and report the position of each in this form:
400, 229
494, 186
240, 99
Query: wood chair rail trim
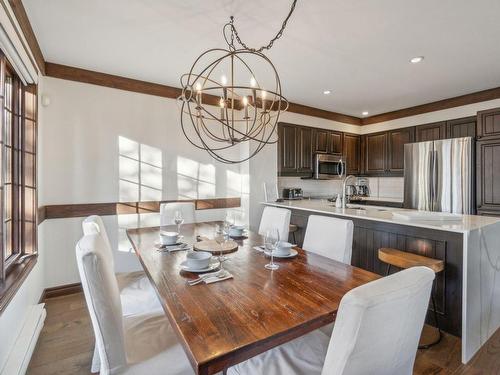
62, 211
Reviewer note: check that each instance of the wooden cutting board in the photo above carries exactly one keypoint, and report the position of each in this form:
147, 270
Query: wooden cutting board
213, 247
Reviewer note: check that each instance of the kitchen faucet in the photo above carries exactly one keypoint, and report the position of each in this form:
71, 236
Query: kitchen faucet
343, 189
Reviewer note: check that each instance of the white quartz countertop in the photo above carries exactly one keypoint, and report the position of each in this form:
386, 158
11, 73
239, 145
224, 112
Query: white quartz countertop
463, 224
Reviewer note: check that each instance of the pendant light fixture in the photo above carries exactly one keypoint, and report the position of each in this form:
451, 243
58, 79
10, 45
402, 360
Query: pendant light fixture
231, 96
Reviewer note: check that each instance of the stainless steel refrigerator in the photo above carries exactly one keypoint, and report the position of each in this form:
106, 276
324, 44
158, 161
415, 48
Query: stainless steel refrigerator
439, 176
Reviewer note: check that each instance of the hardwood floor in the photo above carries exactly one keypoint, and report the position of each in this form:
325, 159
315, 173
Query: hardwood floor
66, 346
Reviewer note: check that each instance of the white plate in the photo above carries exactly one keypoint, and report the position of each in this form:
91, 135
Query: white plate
292, 254
183, 244
211, 267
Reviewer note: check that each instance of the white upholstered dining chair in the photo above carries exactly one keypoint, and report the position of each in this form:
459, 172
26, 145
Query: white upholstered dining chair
167, 212
128, 345
136, 292
330, 237
376, 332
274, 217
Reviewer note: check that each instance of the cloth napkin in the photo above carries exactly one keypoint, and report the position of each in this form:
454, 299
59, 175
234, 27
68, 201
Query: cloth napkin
210, 280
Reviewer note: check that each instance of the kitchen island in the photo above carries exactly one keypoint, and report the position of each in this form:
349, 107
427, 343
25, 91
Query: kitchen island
467, 291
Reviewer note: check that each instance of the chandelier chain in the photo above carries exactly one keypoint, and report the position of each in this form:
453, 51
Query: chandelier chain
234, 33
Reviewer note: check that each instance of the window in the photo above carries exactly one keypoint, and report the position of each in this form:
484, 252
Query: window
18, 198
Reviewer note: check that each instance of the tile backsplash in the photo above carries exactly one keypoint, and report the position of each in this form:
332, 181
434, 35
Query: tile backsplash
380, 187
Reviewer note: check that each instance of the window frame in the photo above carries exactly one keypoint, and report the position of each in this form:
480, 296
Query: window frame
18, 244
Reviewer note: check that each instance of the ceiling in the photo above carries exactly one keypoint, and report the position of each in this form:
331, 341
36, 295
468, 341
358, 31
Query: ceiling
359, 49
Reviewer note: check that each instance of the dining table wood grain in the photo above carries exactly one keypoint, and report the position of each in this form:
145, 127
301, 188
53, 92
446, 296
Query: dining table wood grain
227, 322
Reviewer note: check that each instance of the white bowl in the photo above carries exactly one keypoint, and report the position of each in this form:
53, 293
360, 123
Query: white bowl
283, 248
169, 238
198, 259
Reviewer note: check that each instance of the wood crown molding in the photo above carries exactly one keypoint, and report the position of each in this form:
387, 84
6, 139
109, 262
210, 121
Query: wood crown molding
63, 211
457, 101
117, 82
23, 20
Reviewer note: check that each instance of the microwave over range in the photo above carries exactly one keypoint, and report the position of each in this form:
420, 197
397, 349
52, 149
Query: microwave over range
328, 166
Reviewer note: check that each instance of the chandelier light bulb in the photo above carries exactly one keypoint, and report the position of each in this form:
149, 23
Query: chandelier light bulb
245, 101
253, 82
223, 80
198, 87
222, 103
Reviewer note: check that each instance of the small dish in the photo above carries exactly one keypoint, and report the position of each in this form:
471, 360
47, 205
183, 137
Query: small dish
211, 267
293, 253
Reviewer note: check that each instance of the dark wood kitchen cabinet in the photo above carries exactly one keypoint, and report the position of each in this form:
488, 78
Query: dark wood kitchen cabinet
396, 140
327, 141
383, 153
287, 149
304, 150
352, 153
488, 175
488, 123
375, 153
461, 127
431, 132
295, 150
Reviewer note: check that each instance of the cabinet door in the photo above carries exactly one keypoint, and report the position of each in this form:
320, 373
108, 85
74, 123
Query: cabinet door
287, 150
304, 150
461, 127
488, 175
335, 142
375, 149
351, 151
431, 132
396, 140
488, 123
321, 140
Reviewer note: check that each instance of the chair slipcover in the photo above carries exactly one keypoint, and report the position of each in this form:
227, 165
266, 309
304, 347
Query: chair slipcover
167, 212
131, 345
376, 332
274, 217
330, 237
137, 295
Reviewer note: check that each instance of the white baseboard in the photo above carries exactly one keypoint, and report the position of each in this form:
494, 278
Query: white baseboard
20, 355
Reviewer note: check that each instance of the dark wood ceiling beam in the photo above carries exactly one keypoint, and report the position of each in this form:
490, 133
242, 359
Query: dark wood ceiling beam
23, 20
475, 97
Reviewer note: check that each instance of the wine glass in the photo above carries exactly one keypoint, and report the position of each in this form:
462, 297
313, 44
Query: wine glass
271, 241
178, 220
220, 236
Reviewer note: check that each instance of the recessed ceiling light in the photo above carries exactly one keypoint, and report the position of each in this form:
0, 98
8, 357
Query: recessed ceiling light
416, 59
364, 113
327, 92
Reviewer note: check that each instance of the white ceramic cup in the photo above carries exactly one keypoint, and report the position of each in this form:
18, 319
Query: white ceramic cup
283, 248
198, 259
236, 231
169, 238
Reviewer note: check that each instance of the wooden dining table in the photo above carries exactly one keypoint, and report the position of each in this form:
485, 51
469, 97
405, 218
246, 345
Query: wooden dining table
227, 322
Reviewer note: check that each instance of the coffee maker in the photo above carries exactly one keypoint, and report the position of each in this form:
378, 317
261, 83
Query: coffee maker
362, 187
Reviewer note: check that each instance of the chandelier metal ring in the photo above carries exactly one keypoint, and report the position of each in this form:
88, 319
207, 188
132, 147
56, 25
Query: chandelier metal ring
223, 104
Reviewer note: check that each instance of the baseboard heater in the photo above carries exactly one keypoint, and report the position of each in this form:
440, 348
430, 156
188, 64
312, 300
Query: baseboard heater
20, 355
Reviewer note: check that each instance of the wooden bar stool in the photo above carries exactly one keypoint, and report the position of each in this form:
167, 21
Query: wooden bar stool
403, 259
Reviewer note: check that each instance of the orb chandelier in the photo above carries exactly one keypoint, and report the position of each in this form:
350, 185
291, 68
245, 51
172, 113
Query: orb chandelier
225, 104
